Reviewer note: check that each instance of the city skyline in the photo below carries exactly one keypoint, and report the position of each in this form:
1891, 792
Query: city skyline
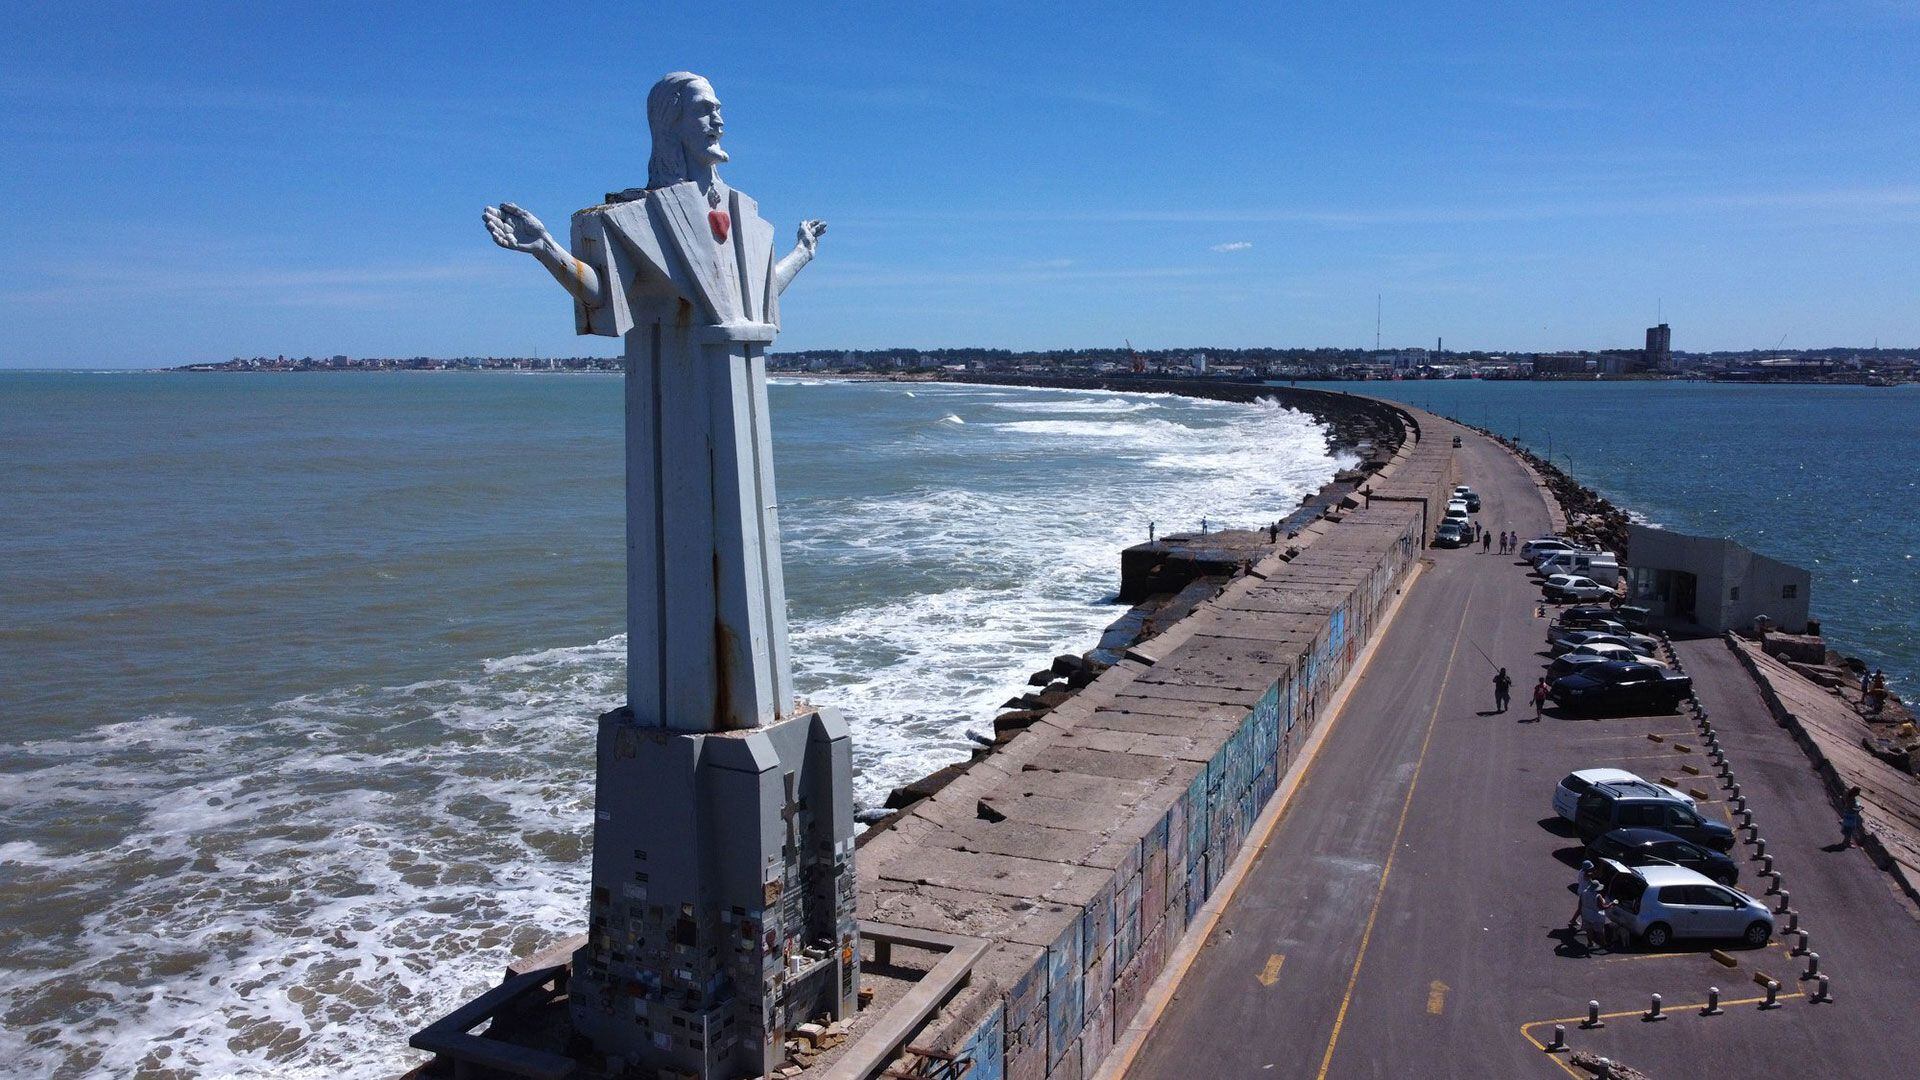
191, 188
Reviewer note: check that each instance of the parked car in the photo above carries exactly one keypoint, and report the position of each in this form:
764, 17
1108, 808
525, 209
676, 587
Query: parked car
1598, 565
1457, 504
1570, 662
1621, 687
1449, 535
1606, 807
1566, 588
1540, 546
1587, 617
1654, 847
1467, 495
1459, 517
1561, 640
1658, 905
1566, 796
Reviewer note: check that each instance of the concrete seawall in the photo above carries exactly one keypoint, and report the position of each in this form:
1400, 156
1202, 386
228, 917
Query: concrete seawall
1080, 850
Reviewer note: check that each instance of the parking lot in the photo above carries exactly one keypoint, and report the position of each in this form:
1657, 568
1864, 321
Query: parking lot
1409, 910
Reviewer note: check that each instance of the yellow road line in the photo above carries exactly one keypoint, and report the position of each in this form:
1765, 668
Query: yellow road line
1271, 973
1160, 994
1693, 1009
1437, 997
1393, 849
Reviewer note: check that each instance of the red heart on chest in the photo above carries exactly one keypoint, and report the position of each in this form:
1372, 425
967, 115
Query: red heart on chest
720, 223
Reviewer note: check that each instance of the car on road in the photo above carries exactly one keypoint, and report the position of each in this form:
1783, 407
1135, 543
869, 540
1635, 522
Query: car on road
1564, 639
1566, 796
1621, 687
1658, 905
1449, 535
1459, 517
1467, 495
1605, 807
1570, 587
1458, 504
1573, 660
1655, 847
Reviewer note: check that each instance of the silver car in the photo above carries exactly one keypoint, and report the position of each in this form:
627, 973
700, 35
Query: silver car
1657, 905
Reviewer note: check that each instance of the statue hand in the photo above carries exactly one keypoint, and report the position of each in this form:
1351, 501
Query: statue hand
515, 229
810, 233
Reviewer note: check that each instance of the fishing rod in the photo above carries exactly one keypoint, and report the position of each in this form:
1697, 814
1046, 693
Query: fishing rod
1483, 654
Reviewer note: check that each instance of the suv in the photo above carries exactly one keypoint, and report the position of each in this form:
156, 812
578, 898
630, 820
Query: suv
1606, 807
1658, 904
1655, 847
1617, 686
1566, 797
1468, 496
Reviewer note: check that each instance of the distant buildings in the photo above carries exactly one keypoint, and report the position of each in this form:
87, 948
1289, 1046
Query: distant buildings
1659, 352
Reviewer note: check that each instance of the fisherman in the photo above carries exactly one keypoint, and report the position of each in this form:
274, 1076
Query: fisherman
1150, 532
1502, 690
1877, 693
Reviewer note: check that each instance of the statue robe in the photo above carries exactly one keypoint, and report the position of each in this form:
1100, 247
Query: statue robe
706, 600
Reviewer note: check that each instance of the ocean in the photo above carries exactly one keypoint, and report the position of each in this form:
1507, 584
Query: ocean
298, 673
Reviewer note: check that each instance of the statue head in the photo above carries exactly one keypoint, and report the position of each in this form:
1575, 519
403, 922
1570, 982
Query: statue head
684, 116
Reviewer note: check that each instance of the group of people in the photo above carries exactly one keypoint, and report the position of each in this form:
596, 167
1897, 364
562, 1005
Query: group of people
1873, 690
1590, 916
1509, 542
1503, 693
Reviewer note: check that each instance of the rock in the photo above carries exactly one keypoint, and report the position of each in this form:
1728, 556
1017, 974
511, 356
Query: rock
1055, 697
811, 1034
1019, 720
1066, 664
1040, 678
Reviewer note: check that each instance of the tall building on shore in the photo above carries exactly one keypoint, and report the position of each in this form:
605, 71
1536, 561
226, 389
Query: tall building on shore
1659, 348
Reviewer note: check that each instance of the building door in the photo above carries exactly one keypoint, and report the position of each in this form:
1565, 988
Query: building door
1686, 588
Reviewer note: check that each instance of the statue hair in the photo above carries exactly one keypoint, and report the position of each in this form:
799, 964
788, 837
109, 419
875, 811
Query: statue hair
665, 103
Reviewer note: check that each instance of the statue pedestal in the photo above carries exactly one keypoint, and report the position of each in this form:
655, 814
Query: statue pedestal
722, 907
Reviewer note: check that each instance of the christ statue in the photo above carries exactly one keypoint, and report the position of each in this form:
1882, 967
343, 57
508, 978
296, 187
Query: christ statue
685, 270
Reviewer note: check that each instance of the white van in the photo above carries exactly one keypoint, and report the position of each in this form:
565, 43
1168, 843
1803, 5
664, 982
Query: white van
1601, 566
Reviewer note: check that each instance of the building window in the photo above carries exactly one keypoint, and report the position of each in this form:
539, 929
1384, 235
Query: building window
1788, 592
1733, 593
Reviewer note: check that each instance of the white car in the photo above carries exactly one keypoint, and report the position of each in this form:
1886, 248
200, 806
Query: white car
1566, 797
1574, 587
1535, 549
1607, 650
1457, 504
1657, 905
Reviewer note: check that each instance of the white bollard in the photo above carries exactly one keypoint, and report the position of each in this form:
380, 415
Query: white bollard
1713, 1002
1593, 1016
1773, 994
1653, 1009
1559, 1043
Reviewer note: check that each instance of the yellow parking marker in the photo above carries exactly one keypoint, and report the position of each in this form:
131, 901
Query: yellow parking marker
1437, 997
1690, 770
1271, 973
1655, 737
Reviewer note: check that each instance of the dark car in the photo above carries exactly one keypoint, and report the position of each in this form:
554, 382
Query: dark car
1588, 617
1605, 808
1561, 639
1621, 687
1643, 847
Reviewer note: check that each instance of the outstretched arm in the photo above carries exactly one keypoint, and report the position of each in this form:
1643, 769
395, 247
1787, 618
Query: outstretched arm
801, 255
516, 230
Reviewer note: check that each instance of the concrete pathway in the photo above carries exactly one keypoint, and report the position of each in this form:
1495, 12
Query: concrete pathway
1406, 914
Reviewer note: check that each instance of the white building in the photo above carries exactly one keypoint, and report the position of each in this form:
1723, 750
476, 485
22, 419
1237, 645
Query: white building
1712, 584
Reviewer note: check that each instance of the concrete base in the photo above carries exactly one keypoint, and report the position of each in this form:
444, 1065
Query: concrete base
723, 911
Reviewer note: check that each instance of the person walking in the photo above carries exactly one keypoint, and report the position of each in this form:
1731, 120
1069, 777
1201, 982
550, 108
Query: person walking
1486, 543
1850, 821
1541, 691
1502, 690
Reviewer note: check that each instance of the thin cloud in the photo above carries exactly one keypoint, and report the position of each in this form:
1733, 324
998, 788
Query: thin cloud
1237, 245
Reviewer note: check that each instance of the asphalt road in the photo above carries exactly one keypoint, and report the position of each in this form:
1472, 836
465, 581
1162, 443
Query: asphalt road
1406, 914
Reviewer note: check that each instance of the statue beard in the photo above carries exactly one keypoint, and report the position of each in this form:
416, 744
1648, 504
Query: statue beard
710, 154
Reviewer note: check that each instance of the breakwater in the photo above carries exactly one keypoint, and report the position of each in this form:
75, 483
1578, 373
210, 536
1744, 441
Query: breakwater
1080, 848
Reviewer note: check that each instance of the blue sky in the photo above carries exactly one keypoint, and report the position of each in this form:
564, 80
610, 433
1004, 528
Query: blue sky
307, 179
